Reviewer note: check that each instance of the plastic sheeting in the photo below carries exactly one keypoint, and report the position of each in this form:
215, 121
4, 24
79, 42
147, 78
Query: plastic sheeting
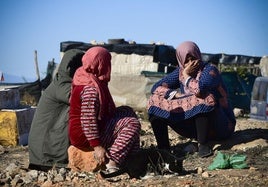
239, 89
136, 67
230, 59
163, 54
132, 90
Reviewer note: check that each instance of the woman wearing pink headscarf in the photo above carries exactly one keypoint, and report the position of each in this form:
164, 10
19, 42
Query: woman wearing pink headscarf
94, 120
192, 100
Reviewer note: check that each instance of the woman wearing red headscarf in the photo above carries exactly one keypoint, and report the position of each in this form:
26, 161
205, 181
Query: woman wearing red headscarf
192, 100
94, 121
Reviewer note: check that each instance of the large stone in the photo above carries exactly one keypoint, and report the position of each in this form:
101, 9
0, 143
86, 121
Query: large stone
15, 126
82, 160
252, 144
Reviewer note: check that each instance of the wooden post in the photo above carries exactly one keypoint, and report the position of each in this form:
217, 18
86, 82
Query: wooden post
2, 77
36, 65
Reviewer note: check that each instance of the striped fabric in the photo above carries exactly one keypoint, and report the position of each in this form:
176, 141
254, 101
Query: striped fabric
89, 108
120, 135
125, 135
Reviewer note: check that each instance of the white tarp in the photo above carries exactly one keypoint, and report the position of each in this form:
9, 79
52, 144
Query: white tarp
131, 90
132, 64
127, 85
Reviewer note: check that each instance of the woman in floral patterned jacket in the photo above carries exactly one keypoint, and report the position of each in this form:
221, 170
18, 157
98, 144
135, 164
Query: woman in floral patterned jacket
193, 101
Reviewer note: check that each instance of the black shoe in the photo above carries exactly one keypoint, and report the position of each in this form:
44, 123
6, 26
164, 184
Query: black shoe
204, 151
39, 167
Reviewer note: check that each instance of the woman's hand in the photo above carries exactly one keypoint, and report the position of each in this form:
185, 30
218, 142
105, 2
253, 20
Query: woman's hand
191, 68
99, 154
177, 95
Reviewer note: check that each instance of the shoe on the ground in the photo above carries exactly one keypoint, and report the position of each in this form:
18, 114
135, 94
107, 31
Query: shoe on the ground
204, 151
191, 148
39, 167
111, 172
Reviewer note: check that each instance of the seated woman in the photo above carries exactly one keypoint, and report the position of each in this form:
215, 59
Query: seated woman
94, 121
193, 101
48, 138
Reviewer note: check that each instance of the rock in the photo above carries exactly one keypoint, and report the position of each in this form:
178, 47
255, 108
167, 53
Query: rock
12, 169
42, 177
82, 160
2, 149
199, 170
17, 179
32, 174
238, 112
47, 184
248, 145
205, 174
59, 178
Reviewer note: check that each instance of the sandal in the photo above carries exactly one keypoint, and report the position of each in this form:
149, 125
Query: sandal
111, 172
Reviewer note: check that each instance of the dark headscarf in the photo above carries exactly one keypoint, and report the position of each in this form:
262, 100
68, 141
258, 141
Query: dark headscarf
70, 62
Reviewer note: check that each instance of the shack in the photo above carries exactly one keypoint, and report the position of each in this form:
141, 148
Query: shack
136, 67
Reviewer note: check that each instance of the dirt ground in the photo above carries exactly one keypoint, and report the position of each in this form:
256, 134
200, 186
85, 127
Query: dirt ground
250, 139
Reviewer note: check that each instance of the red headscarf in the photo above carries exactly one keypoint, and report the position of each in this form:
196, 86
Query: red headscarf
96, 71
184, 49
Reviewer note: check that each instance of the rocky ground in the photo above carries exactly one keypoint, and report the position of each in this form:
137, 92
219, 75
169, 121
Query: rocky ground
250, 140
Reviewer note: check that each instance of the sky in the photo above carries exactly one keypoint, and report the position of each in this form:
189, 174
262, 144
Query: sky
217, 26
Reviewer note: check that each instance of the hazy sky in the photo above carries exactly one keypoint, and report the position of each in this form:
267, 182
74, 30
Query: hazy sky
217, 26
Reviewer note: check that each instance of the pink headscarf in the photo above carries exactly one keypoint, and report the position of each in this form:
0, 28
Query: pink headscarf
96, 71
184, 49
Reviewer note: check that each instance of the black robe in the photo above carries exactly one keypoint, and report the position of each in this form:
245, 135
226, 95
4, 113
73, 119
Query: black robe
48, 138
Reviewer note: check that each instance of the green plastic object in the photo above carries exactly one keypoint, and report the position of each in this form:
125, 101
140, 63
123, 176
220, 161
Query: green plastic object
221, 161
225, 161
238, 161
